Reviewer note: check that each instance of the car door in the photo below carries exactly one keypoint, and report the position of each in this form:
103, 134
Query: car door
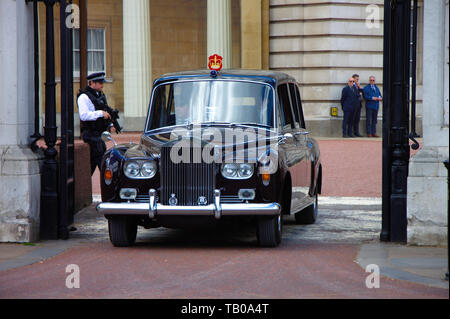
294, 153
301, 181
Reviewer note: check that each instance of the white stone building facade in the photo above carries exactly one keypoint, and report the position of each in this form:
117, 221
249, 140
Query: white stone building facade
322, 44
427, 181
20, 179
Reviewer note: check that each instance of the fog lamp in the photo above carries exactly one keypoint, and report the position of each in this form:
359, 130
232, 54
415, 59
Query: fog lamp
128, 193
246, 194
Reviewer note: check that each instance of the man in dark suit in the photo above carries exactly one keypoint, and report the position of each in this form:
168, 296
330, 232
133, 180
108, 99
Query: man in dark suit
349, 102
358, 109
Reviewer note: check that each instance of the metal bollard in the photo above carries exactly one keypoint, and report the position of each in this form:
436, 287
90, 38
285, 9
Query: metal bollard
446, 163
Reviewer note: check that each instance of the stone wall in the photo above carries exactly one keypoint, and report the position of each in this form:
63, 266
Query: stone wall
82, 174
321, 44
20, 179
427, 180
178, 35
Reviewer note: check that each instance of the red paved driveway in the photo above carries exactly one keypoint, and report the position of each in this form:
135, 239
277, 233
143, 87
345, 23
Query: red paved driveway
168, 264
169, 270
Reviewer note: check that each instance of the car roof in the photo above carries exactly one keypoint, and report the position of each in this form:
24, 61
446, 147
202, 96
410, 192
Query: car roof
265, 76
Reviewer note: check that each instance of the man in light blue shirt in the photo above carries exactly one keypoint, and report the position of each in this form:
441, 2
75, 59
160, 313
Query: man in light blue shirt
372, 95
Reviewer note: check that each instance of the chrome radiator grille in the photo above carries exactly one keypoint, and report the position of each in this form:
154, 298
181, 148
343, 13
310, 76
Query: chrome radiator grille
187, 182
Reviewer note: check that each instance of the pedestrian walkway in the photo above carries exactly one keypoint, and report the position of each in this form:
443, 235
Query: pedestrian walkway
422, 265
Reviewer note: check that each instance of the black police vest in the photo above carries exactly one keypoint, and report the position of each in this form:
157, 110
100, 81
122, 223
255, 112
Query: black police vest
99, 125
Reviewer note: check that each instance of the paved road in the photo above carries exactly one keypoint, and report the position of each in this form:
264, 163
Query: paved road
317, 261
324, 260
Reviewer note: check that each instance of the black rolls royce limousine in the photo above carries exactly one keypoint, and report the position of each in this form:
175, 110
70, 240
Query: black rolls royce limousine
216, 145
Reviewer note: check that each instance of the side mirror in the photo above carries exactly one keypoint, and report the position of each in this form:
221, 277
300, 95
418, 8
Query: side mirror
106, 136
287, 137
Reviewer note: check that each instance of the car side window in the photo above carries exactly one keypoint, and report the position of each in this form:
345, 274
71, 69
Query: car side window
287, 120
162, 107
297, 104
294, 103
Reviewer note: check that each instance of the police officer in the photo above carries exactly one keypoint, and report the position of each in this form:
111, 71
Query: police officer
93, 120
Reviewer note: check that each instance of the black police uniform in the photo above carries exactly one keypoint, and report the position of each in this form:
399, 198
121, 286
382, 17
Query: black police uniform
358, 112
91, 131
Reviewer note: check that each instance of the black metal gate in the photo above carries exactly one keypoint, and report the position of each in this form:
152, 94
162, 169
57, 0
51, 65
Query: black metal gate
67, 147
58, 180
400, 37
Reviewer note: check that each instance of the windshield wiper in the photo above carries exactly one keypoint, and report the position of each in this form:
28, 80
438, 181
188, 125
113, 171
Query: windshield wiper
254, 124
217, 122
235, 124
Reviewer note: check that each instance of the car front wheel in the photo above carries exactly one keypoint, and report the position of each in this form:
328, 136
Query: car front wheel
309, 214
122, 231
269, 231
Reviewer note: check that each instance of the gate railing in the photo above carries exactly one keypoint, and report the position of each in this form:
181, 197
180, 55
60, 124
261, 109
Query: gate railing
57, 180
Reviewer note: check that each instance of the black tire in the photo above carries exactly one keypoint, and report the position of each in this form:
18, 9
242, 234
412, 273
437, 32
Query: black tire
308, 215
269, 230
122, 231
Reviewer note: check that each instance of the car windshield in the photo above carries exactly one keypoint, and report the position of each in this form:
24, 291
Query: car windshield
195, 102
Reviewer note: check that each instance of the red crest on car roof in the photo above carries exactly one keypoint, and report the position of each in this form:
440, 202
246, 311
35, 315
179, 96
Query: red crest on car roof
215, 62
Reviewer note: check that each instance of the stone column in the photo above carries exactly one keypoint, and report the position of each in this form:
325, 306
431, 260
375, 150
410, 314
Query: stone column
251, 34
427, 181
219, 30
137, 68
20, 179
265, 27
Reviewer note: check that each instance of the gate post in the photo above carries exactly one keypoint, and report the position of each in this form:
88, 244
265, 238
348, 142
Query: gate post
386, 154
446, 163
395, 119
49, 181
63, 231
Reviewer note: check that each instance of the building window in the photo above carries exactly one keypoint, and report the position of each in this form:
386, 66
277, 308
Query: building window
96, 59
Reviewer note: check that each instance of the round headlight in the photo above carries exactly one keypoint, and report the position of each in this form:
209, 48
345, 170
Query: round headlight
237, 171
245, 170
229, 170
148, 169
131, 169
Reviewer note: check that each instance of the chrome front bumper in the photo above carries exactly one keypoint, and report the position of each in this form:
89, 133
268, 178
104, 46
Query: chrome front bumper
152, 208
